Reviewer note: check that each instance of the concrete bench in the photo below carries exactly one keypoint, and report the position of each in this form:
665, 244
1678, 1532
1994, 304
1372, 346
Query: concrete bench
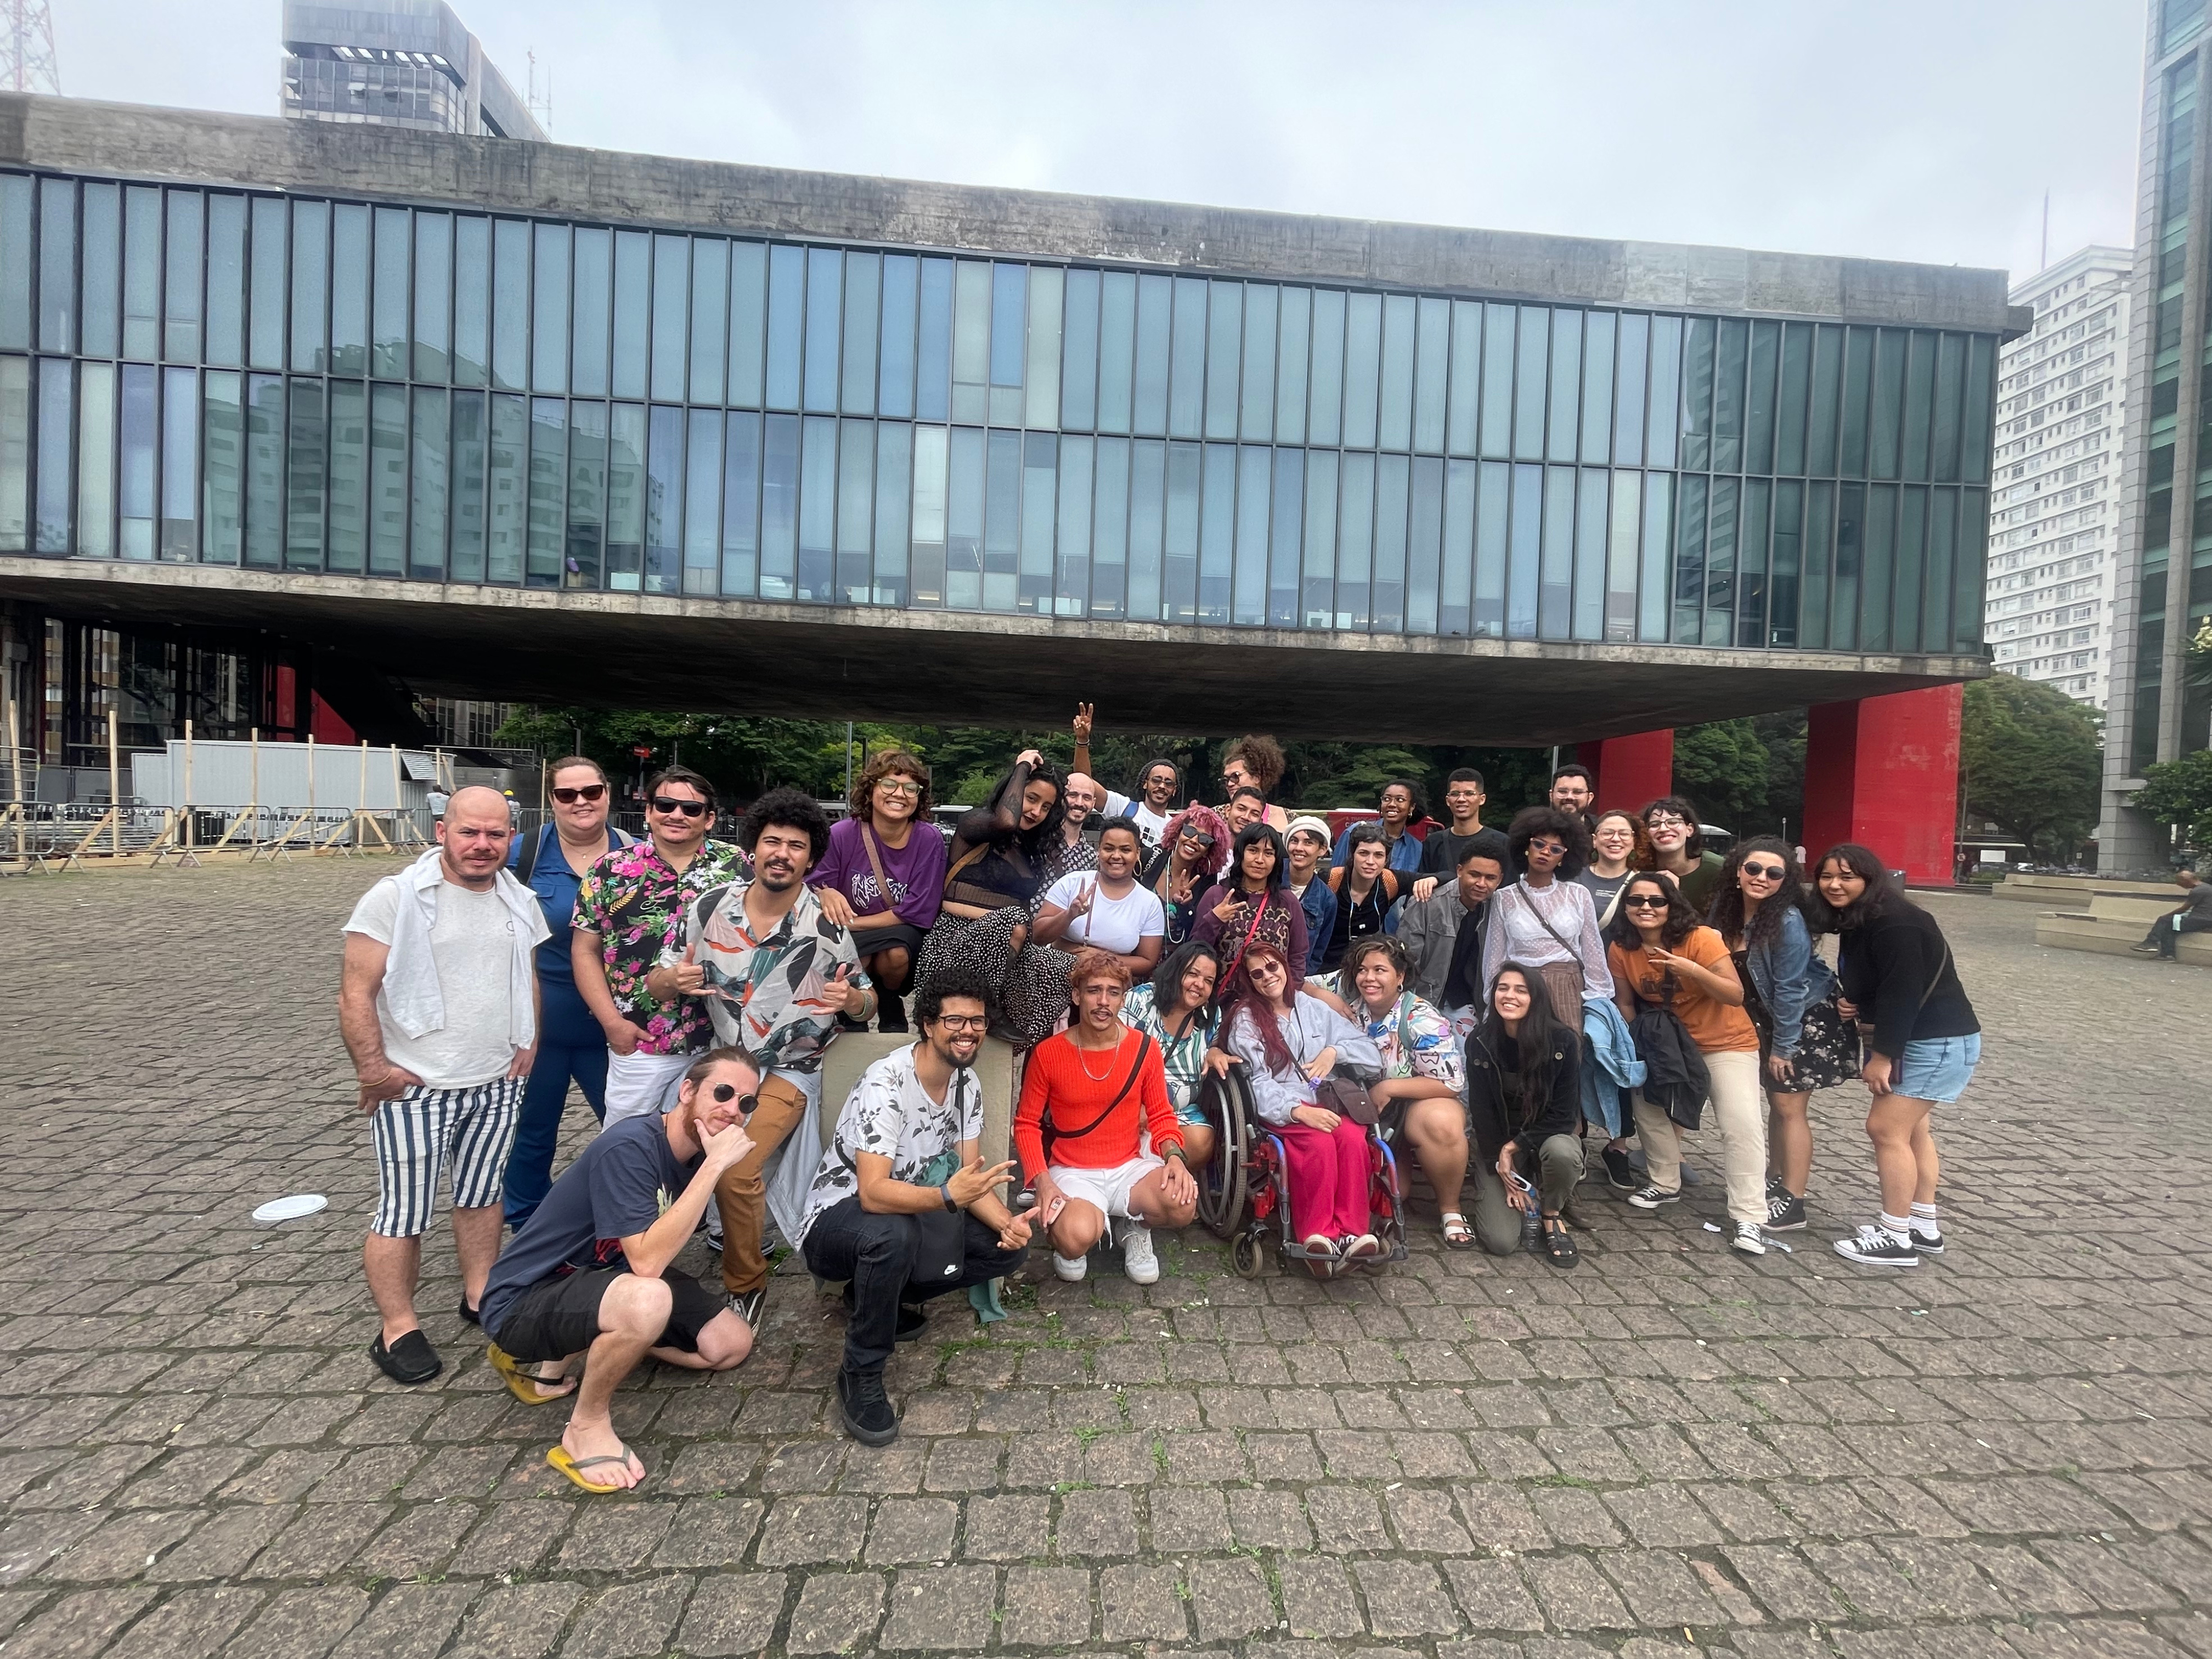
2111, 935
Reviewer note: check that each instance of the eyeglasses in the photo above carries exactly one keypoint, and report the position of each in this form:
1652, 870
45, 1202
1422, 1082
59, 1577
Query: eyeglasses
899, 786
1199, 838
569, 796
690, 809
1666, 821
724, 1093
1764, 872
1643, 901
963, 1022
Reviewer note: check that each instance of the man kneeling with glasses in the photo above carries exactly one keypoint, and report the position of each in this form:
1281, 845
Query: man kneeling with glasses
587, 1286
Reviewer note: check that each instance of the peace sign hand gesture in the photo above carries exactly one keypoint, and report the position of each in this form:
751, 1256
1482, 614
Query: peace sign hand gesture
1080, 904
1081, 724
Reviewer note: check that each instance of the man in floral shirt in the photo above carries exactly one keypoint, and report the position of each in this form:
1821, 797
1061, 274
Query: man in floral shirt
629, 909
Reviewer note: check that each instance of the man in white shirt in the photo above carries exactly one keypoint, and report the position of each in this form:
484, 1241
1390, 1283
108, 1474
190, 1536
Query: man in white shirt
1158, 787
438, 1004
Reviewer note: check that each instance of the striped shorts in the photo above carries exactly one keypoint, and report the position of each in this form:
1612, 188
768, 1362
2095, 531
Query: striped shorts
425, 1130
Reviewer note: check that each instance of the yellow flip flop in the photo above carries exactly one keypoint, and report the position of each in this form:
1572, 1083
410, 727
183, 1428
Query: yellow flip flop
573, 1466
520, 1382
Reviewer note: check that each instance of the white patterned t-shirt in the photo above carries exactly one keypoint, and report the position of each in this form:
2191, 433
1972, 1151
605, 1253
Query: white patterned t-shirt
891, 1115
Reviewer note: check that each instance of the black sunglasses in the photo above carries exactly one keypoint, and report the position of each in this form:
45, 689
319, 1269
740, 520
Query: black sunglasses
690, 809
724, 1093
1764, 872
1643, 901
568, 795
1199, 838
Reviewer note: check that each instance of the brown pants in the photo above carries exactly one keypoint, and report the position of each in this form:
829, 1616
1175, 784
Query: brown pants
740, 1195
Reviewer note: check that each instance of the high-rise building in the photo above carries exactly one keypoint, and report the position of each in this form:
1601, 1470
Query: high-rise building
2162, 586
396, 63
2054, 497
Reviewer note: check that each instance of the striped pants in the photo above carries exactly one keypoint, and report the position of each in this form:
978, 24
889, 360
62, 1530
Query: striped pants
424, 1131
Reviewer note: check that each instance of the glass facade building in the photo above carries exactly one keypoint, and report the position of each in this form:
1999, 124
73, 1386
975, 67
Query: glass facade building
306, 383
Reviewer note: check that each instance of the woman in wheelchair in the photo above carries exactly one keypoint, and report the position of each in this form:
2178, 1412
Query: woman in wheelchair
1288, 1043
1422, 1078
1176, 1007
1524, 1100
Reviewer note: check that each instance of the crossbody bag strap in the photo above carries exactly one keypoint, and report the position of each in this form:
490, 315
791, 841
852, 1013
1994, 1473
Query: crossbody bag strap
1562, 945
876, 864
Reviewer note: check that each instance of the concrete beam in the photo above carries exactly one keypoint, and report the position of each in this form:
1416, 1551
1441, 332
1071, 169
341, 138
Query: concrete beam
964, 668
133, 141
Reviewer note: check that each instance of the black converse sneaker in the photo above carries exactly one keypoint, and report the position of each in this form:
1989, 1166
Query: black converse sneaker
1877, 1246
1650, 1198
1927, 1240
1785, 1211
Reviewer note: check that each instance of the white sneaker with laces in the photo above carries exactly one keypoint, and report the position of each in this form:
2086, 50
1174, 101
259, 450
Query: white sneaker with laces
1069, 1270
1138, 1260
1748, 1239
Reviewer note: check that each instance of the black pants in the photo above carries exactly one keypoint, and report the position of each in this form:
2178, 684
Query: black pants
876, 1254
2165, 934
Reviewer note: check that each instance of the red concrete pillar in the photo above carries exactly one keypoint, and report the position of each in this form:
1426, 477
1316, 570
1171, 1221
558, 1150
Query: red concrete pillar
1884, 772
1630, 770
331, 727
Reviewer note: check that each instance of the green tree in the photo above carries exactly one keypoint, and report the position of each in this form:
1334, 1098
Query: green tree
2179, 793
1721, 765
2029, 761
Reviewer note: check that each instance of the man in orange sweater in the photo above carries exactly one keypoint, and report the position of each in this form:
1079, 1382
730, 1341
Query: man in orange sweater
1087, 1094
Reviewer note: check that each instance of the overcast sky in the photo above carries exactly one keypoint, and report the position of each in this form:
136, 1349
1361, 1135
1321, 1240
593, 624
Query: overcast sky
1925, 129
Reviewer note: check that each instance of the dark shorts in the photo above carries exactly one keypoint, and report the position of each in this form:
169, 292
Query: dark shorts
901, 935
557, 1318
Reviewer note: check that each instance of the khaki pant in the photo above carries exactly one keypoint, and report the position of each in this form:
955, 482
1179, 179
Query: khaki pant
740, 1195
1738, 1110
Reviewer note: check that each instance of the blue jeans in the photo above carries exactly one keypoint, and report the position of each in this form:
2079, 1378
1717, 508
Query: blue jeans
568, 1047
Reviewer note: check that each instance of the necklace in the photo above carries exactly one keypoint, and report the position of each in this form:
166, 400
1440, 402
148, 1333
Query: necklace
1081, 1053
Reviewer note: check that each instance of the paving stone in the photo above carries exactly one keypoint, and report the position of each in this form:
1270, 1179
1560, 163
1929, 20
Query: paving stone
708, 1532
1006, 1529
517, 1621
731, 1612
1093, 1524
913, 1529
837, 1613
629, 1621
300, 1624
191, 1623
408, 1621
1046, 1607
1317, 1599
1269, 1520
1229, 1599
1188, 1522
805, 1529
1137, 1604
942, 1607
1492, 1596
78, 1625
1405, 1598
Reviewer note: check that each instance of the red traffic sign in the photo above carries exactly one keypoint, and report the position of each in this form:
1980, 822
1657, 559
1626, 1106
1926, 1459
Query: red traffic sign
642, 751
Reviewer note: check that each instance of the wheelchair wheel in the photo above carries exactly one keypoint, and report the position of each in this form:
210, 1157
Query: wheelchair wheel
1244, 1254
1221, 1191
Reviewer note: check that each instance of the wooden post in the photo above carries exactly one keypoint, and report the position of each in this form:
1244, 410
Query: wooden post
114, 790
188, 786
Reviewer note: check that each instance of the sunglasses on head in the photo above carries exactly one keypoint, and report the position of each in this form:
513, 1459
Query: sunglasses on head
1764, 872
724, 1093
690, 809
569, 794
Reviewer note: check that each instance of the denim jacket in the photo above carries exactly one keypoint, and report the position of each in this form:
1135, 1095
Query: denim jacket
1791, 977
1613, 1069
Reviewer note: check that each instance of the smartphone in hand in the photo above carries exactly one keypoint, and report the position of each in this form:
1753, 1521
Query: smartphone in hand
1052, 1210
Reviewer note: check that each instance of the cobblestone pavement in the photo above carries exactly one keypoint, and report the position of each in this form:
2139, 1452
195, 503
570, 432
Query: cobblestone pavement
1670, 1449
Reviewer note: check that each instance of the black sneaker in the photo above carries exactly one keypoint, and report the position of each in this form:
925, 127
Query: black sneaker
1620, 1170
890, 1015
1650, 1198
867, 1410
747, 1305
1785, 1211
411, 1360
846, 1023
1877, 1246
913, 1320
1927, 1241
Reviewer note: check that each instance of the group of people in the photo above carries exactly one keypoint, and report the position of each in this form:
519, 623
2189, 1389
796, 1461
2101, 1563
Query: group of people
1498, 1001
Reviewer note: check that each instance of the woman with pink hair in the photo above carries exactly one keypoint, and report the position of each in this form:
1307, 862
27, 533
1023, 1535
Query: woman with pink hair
1193, 849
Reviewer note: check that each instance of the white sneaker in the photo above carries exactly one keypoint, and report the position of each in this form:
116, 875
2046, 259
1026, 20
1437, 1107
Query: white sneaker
1138, 1260
1070, 1270
1748, 1238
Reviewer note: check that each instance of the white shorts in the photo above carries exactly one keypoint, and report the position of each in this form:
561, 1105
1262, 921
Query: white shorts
639, 1083
1108, 1190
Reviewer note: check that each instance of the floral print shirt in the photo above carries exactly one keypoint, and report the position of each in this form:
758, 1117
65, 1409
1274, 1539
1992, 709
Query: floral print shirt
634, 900
890, 1114
767, 995
1416, 1041
1184, 1057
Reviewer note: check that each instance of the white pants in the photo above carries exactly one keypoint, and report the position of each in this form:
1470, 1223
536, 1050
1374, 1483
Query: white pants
639, 1083
1738, 1115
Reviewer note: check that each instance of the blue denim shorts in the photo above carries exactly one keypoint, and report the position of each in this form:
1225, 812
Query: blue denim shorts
1937, 1069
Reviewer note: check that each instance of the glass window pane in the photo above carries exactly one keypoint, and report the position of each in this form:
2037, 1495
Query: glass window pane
1759, 421
1493, 505
894, 502
1042, 382
1110, 528
95, 460
856, 512
748, 322
549, 564
1362, 366
142, 270
472, 300
434, 279
1255, 424
1658, 515
1355, 541
1247, 604
1432, 361
1225, 346
1187, 379
1690, 559
1782, 585
1789, 408
863, 302
432, 436
1325, 421
1698, 375
1078, 376
895, 373
1529, 386
787, 311
1318, 564
1974, 447
387, 356
741, 466
58, 246
1858, 384
1499, 324
1284, 535
141, 432
1294, 332
470, 443
1884, 418
1463, 390
180, 290
1728, 357
702, 501
1394, 423
1911, 564
1661, 427
778, 574
1522, 578
1851, 530
548, 335
1424, 544
1819, 541
57, 424
671, 312
1040, 490
1620, 558
1009, 317
1387, 604
633, 313
664, 500
1878, 564
710, 318
1822, 405
971, 341
1456, 583
606, 497
818, 508
1718, 625
1179, 555
181, 469
932, 355
387, 480
1117, 348
510, 307
1941, 584
591, 329
1148, 528
964, 520
1155, 298
1002, 518
1635, 344
16, 259
102, 271
1590, 527
1750, 557
1597, 386
508, 490
1919, 403
1555, 605
1071, 590
1567, 385
264, 472
305, 472
349, 270
1950, 397
931, 445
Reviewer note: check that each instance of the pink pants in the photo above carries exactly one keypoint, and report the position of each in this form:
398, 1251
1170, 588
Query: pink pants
1328, 1174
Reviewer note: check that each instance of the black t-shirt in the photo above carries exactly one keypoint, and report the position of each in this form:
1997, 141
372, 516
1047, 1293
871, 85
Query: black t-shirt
1462, 984
619, 1185
1440, 852
1354, 922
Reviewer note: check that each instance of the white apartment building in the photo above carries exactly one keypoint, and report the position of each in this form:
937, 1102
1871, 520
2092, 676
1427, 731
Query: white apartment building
2054, 498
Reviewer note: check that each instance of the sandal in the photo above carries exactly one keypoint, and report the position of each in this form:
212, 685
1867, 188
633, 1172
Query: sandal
523, 1384
562, 1459
1558, 1248
1458, 1235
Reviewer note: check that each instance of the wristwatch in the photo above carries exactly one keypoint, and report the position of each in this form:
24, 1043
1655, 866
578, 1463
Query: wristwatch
945, 1192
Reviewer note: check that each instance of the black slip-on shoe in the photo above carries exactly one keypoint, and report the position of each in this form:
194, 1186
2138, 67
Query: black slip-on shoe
411, 1360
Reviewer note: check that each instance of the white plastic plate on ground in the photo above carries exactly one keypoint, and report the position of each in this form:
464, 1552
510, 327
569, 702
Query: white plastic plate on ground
289, 1209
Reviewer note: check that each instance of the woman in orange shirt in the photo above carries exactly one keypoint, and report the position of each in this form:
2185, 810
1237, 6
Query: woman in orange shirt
1660, 956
